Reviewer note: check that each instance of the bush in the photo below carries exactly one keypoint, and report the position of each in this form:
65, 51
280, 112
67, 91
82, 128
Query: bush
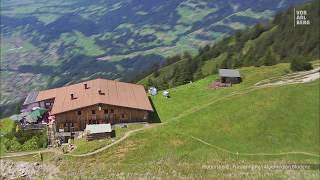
24, 140
14, 145
3, 142
31, 144
299, 64
43, 140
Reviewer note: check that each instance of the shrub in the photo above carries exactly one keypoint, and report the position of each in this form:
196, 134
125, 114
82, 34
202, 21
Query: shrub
6, 142
299, 64
43, 140
24, 140
3, 142
31, 144
14, 145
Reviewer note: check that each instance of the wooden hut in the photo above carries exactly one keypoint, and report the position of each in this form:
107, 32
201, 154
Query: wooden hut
98, 101
98, 131
230, 76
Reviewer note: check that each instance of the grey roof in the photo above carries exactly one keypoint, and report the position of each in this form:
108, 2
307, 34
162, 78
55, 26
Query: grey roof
229, 73
98, 128
31, 98
17, 117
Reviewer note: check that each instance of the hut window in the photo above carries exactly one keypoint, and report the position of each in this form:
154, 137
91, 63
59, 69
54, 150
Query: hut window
79, 113
105, 111
93, 112
111, 110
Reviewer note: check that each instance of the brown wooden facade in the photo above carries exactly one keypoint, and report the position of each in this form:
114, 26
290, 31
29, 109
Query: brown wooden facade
77, 120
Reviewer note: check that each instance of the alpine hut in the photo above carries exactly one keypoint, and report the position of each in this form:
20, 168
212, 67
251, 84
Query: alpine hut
230, 76
98, 101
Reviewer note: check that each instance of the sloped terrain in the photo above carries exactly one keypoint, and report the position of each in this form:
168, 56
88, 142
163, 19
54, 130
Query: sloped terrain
204, 132
203, 128
52, 43
264, 44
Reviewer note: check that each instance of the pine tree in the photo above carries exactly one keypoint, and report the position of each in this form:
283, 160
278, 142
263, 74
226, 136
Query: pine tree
155, 70
300, 64
270, 59
17, 109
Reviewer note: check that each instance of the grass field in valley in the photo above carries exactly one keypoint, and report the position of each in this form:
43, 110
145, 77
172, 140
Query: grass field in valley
199, 125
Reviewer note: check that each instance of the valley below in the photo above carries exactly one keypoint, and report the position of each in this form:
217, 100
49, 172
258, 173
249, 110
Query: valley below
217, 89
47, 44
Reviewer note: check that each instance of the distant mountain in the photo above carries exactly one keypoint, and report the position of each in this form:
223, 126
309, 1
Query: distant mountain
261, 45
51, 43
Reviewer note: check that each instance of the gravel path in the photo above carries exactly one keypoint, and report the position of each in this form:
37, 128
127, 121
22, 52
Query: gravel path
254, 154
294, 78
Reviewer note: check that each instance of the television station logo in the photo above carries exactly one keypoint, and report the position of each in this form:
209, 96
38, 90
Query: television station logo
301, 17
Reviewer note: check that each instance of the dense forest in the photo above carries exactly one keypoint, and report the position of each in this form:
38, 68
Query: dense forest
264, 44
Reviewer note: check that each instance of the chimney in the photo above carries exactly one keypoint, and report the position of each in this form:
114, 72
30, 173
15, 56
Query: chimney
72, 96
100, 92
86, 86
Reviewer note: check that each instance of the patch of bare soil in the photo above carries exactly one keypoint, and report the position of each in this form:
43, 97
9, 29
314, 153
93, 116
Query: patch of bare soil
13, 169
293, 78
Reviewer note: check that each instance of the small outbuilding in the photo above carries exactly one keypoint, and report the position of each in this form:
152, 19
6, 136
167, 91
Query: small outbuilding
98, 131
230, 76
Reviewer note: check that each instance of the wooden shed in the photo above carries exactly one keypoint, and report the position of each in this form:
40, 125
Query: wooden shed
98, 131
230, 76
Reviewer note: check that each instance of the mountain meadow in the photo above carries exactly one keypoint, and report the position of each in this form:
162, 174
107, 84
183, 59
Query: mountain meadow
46, 44
264, 44
208, 134
266, 127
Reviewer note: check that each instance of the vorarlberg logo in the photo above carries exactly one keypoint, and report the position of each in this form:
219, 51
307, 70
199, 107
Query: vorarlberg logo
300, 17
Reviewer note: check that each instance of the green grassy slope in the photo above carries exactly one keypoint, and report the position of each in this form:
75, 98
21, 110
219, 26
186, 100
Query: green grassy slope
6, 125
259, 45
239, 119
47, 44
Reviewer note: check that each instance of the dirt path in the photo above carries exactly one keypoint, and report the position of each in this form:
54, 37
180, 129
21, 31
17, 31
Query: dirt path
306, 76
126, 135
293, 78
19, 154
252, 154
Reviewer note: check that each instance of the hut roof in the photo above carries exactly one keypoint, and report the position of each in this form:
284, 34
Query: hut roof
229, 73
31, 98
97, 91
98, 128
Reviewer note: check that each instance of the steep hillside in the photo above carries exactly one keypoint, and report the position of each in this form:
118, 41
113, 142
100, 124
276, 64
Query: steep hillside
202, 129
51, 43
263, 44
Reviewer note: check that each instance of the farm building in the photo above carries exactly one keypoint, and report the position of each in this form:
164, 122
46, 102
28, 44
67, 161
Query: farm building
98, 131
230, 76
98, 101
